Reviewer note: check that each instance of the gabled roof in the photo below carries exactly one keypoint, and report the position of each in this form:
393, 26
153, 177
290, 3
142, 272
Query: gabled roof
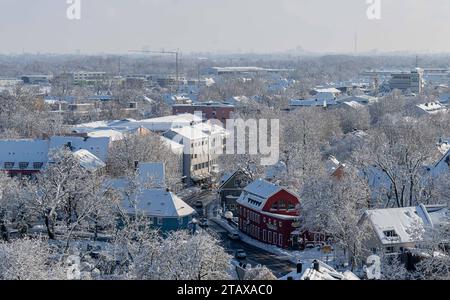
408, 223
256, 194
157, 203
262, 188
29, 151
98, 146
226, 178
89, 161
152, 173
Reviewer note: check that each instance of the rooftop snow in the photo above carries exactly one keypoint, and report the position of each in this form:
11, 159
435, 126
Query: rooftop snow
158, 203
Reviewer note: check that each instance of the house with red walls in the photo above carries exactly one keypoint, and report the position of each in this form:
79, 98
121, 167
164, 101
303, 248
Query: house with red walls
270, 214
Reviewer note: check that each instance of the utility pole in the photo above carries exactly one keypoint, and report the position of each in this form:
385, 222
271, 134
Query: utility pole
177, 59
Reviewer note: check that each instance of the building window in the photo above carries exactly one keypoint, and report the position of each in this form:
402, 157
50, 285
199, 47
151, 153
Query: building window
9, 165
390, 233
38, 165
180, 221
160, 221
269, 238
390, 250
264, 234
23, 165
275, 238
280, 240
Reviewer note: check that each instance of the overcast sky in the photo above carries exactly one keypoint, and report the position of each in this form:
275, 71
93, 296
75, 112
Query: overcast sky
115, 26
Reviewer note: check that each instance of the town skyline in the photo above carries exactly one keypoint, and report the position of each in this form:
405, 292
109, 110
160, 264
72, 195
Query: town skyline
201, 26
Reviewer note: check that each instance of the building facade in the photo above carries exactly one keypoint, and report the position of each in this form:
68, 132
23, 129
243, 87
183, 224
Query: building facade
412, 81
209, 110
269, 214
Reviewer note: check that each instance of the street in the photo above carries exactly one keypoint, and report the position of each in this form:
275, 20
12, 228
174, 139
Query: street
255, 256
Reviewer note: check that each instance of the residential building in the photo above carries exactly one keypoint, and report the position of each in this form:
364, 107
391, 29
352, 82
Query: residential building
210, 110
164, 210
203, 144
270, 214
318, 270
23, 157
396, 230
412, 81
88, 77
231, 187
430, 108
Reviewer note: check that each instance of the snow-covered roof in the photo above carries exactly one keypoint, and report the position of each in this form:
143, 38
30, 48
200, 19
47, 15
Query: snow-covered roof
324, 272
312, 102
98, 146
190, 133
262, 188
327, 90
26, 151
157, 203
353, 104
88, 160
332, 165
365, 99
174, 146
155, 124
432, 107
152, 173
400, 225
114, 135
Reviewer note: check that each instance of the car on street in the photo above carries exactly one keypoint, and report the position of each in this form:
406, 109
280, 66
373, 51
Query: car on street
234, 236
240, 254
203, 223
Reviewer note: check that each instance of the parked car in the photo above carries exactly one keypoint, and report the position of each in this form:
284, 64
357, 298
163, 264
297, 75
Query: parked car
203, 223
240, 254
234, 236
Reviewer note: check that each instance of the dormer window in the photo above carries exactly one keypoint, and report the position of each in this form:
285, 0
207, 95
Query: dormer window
390, 234
23, 165
8, 165
37, 165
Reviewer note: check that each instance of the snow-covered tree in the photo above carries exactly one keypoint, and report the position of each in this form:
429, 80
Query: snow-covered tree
27, 259
334, 207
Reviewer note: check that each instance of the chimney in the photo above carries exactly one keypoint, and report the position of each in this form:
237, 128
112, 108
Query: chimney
316, 266
299, 268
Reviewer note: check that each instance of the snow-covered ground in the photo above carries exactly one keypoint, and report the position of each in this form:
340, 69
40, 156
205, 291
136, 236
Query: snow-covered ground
307, 256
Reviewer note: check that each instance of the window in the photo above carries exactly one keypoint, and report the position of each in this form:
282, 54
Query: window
390, 250
280, 240
23, 165
269, 239
291, 206
160, 221
275, 238
38, 165
180, 221
275, 206
390, 233
9, 165
264, 234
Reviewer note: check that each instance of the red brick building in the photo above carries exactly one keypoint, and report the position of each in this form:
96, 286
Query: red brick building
209, 110
270, 214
